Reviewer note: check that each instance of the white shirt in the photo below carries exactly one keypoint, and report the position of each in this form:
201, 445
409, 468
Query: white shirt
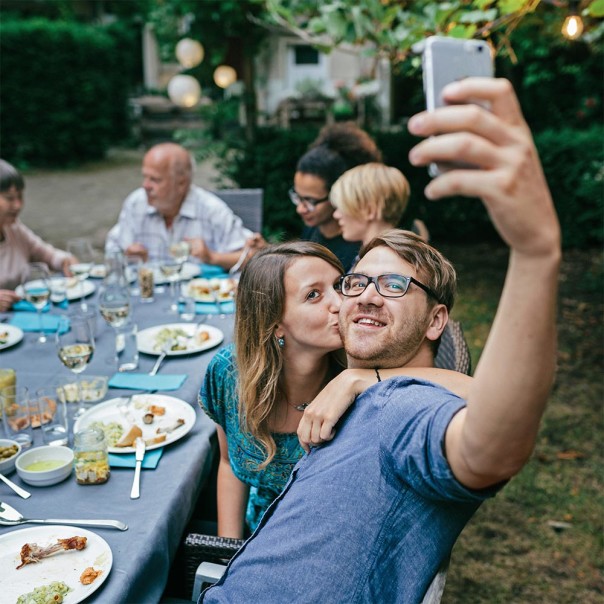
202, 215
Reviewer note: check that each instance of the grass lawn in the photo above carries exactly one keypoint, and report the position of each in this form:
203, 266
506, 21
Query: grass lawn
511, 552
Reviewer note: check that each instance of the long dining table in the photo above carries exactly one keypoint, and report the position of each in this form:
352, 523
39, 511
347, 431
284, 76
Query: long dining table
142, 555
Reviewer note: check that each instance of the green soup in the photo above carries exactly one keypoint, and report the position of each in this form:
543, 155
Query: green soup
46, 464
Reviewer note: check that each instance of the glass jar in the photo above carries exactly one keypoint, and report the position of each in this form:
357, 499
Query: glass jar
91, 461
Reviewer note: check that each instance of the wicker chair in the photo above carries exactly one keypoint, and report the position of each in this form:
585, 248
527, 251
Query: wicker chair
204, 556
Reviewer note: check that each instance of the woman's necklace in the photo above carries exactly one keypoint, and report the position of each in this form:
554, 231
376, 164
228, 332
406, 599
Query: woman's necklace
302, 406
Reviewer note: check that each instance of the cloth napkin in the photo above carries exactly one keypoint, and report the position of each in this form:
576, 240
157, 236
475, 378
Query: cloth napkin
127, 460
25, 306
209, 308
144, 381
50, 323
209, 271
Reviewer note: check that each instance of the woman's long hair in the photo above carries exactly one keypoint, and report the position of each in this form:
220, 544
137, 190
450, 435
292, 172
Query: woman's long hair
259, 308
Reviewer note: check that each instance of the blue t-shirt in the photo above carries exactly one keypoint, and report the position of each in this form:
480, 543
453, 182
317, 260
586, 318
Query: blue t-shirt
368, 517
218, 398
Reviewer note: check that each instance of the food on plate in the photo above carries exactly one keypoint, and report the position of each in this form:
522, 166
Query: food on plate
113, 431
8, 452
178, 339
53, 592
89, 575
156, 409
128, 439
203, 289
4, 337
31, 553
148, 418
156, 440
177, 424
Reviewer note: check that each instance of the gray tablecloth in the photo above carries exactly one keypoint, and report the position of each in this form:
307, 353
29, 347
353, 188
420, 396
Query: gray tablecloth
141, 555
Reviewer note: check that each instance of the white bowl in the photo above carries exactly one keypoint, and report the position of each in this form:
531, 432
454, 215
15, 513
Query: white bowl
45, 478
8, 465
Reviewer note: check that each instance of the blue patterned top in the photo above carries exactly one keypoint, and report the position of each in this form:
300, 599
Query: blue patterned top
218, 398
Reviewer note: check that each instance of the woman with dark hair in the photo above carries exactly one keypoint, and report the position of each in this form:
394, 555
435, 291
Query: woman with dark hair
338, 148
287, 346
18, 244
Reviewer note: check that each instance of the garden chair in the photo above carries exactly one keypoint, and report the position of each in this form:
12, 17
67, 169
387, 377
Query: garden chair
247, 204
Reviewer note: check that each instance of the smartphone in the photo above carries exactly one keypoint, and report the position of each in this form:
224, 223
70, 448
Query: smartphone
447, 60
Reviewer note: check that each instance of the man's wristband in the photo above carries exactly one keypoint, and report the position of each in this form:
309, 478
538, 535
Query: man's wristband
377, 373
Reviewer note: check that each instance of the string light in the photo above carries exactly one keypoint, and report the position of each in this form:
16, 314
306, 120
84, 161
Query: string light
224, 76
572, 28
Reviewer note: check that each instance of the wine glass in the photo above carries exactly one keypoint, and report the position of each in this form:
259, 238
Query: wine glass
171, 261
75, 348
36, 290
82, 250
114, 304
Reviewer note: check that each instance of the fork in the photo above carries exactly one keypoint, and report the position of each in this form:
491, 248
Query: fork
244, 253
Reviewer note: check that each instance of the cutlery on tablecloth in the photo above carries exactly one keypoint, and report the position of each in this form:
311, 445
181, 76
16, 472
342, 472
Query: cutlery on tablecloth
10, 517
139, 455
21, 492
165, 349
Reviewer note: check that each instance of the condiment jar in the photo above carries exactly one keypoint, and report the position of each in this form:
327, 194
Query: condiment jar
91, 461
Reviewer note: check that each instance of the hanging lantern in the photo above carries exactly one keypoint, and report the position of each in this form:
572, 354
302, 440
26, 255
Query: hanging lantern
224, 76
189, 53
184, 90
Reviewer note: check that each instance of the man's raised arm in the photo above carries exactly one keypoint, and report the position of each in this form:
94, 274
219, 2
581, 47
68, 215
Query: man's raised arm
494, 436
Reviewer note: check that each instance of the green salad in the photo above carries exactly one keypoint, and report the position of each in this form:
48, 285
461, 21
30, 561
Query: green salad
46, 594
112, 430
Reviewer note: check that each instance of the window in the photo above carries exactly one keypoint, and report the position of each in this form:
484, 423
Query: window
305, 55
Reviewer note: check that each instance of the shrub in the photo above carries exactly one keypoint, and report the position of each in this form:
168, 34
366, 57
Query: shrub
64, 90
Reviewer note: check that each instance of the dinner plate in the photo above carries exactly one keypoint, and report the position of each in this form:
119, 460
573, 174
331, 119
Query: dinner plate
111, 411
198, 289
188, 271
147, 340
9, 335
74, 291
66, 566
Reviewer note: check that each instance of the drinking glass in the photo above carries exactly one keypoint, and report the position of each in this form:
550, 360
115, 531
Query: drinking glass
16, 415
51, 410
36, 290
170, 267
75, 349
82, 250
58, 288
114, 304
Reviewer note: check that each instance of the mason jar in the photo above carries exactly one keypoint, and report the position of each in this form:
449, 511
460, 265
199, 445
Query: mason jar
91, 461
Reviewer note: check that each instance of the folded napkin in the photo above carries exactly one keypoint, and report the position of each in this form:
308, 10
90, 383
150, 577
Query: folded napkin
209, 308
50, 323
209, 271
25, 306
127, 460
144, 381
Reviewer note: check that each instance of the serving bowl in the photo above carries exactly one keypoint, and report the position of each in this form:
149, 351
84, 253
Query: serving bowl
7, 464
45, 466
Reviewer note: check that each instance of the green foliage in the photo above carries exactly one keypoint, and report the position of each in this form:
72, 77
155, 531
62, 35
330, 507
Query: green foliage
64, 90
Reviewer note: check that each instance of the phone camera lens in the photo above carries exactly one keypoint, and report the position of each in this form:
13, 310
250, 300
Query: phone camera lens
480, 48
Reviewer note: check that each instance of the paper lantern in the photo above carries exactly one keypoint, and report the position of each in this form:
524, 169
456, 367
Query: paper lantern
224, 76
189, 53
184, 90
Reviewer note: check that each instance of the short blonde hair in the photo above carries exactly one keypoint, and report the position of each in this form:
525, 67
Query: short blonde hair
372, 186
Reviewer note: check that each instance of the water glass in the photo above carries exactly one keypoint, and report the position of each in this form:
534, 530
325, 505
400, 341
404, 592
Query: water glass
90, 314
186, 305
58, 289
52, 413
16, 415
126, 348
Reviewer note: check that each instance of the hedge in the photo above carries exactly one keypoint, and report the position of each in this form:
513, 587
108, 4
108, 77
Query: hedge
573, 161
64, 94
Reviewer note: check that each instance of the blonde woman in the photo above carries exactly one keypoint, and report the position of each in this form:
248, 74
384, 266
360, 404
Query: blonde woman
285, 351
370, 199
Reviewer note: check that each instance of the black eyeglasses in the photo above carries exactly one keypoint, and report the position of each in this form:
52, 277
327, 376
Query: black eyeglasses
390, 285
310, 203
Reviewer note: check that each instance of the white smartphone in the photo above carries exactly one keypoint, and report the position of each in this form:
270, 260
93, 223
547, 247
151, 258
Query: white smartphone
447, 60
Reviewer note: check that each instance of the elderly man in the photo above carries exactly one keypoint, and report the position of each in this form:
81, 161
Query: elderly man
371, 515
168, 207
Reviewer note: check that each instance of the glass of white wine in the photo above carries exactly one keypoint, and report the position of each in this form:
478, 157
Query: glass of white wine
114, 304
171, 260
82, 250
75, 348
36, 290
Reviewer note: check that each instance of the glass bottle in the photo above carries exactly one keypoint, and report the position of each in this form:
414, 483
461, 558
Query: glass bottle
91, 461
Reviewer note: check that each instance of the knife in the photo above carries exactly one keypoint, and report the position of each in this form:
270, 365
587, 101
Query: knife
139, 456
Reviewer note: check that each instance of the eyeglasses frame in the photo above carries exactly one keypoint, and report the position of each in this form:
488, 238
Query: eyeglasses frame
374, 280
309, 203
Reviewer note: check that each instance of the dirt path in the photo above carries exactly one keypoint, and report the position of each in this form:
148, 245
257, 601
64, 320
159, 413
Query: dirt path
86, 201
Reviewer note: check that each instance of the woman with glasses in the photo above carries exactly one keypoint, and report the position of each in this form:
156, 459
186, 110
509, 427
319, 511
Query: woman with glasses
19, 245
370, 199
287, 348
338, 148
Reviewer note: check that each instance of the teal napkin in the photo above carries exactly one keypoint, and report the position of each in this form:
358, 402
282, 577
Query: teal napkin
209, 308
50, 323
144, 381
127, 460
25, 306
209, 271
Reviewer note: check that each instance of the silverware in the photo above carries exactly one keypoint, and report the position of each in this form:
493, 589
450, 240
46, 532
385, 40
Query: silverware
167, 346
139, 456
21, 492
10, 517
244, 253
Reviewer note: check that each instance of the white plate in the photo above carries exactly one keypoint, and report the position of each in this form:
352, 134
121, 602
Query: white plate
75, 290
224, 288
188, 271
146, 339
9, 335
109, 411
66, 566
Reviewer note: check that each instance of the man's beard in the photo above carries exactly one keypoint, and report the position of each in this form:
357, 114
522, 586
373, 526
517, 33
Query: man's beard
387, 349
